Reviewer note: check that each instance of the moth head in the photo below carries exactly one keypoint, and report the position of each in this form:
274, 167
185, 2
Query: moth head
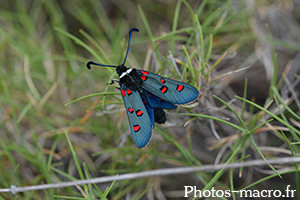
121, 68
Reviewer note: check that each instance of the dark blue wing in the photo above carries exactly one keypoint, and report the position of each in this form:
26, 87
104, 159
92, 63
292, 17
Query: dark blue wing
149, 109
140, 118
173, 92
156, 102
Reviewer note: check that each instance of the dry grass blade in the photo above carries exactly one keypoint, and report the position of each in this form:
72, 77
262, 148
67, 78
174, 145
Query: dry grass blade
229, 73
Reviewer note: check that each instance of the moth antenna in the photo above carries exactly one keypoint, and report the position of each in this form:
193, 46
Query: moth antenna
93, 63
129, 41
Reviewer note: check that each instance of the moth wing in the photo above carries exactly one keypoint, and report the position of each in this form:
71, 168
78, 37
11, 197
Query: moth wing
172, 91
156, 102
141, 124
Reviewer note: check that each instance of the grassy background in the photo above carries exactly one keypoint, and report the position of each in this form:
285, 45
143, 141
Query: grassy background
45, 46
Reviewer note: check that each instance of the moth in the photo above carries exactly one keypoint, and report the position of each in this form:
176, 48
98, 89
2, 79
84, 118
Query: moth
145, 95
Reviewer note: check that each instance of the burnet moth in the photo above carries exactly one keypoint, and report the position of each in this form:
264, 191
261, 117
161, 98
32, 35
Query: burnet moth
145, 95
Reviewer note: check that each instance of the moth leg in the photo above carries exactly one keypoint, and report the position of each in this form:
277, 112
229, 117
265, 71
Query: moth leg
113, 81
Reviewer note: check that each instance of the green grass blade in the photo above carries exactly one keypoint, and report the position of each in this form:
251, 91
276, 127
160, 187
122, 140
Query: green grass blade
268, 112
217, 119
92, 95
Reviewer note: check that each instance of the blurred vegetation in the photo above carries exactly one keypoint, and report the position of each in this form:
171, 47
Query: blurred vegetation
45, 46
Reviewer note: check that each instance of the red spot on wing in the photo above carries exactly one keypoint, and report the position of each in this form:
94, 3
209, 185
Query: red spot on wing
123, 93
129, 92
163, 89
162, 80
139, 113
144, 72
136, 128
130, 110
179, 88
144, 77
150, 95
